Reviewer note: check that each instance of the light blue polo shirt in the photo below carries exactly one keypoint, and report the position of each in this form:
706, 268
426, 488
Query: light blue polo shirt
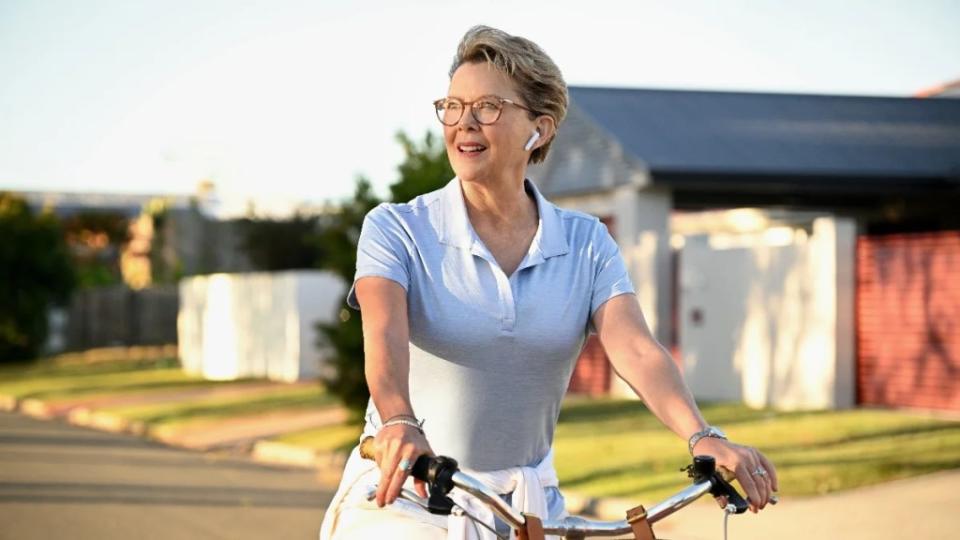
490, 355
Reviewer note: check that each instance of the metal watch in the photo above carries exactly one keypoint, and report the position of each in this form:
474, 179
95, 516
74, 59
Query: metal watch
709, 431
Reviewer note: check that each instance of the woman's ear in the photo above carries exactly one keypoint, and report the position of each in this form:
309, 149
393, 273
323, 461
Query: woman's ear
547, 128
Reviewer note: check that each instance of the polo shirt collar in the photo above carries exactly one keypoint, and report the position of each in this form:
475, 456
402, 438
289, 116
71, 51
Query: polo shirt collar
455, 228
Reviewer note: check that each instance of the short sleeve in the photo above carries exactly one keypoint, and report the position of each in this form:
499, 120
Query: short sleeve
610, 272
381, 251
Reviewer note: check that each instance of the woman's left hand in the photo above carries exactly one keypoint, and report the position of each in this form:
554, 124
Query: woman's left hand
756, 474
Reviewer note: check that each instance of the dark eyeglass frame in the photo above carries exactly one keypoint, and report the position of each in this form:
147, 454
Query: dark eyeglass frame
500, 101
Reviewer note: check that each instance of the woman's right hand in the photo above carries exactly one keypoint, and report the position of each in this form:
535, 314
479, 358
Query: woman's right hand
392, 445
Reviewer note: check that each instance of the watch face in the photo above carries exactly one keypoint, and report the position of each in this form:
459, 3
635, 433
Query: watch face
718, 431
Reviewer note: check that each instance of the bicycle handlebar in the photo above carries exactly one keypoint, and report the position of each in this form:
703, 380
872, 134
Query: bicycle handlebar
442, 474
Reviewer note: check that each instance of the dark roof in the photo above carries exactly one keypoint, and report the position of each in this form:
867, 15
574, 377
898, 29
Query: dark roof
753, 134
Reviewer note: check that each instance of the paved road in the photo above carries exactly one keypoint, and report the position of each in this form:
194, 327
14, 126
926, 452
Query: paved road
60, 481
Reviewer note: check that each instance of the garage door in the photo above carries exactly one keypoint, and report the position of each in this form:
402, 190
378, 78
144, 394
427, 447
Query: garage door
908, 320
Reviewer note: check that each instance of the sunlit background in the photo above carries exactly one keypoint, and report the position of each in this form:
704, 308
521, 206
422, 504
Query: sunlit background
289, 101
180, 210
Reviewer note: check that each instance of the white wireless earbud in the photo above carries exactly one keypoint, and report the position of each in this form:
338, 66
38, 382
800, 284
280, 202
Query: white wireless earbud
533, 139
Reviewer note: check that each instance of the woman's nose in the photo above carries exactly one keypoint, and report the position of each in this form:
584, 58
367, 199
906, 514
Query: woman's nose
467, 121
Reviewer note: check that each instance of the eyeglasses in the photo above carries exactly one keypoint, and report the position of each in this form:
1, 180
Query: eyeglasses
485, 110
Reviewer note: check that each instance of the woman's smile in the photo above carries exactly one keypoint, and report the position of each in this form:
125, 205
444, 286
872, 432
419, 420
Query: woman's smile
471, 150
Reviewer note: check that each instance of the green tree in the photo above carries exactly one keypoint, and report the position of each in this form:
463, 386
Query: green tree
283, 244
344, 337
425, 168
35, 274
94, 241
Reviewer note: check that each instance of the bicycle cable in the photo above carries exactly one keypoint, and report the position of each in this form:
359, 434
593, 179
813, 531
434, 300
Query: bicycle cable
726, 517
475, 521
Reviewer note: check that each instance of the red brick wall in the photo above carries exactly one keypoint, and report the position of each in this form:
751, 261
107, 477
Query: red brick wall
908, 320
591, 375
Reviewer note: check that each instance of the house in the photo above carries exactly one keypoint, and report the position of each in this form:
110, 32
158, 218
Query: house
167, 236
187, 279
796, 251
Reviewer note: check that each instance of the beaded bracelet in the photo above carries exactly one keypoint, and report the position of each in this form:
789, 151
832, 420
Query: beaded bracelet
410, 416
400, 421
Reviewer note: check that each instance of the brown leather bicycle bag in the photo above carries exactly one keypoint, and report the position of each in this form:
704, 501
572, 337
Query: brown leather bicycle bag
637, 518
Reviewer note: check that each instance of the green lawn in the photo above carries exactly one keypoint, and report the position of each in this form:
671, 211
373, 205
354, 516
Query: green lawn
336, 438
219, 407
617, 448
604, 447
51, 380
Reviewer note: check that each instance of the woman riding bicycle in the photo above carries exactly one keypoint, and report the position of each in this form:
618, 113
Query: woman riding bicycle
476, 301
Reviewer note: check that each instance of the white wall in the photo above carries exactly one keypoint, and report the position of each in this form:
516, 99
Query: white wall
261, 325
776, 312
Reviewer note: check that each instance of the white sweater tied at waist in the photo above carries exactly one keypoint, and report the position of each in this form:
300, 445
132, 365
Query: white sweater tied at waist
527, 485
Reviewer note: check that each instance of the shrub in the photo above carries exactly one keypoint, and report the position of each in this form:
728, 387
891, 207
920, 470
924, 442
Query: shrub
35, 274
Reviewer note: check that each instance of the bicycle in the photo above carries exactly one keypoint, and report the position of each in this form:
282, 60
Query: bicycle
442, 474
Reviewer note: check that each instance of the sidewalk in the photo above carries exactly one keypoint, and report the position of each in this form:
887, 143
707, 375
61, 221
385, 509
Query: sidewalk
924, 507
246, 434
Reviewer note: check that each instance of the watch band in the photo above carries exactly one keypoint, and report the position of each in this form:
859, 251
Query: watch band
709, 431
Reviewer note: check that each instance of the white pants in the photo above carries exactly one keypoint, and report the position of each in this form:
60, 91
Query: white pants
357, 523
352, 516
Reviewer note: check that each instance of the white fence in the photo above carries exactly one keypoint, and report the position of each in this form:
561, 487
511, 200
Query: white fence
767, 318
233, 326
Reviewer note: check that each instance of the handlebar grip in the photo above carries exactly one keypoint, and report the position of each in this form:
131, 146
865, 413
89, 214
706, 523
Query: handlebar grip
733, 496
420, 469
366, 449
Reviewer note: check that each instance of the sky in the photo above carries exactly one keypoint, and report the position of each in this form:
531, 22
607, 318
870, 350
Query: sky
287, 101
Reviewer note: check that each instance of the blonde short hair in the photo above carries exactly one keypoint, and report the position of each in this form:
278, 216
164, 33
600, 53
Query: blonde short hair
537, 79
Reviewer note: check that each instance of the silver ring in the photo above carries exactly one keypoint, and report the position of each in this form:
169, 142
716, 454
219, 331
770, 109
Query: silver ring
760, 472
405, 465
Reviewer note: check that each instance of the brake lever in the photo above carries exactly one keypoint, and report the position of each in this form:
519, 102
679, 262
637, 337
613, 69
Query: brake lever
705, 468
438, 502
404, 494
722, 488
416, 499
